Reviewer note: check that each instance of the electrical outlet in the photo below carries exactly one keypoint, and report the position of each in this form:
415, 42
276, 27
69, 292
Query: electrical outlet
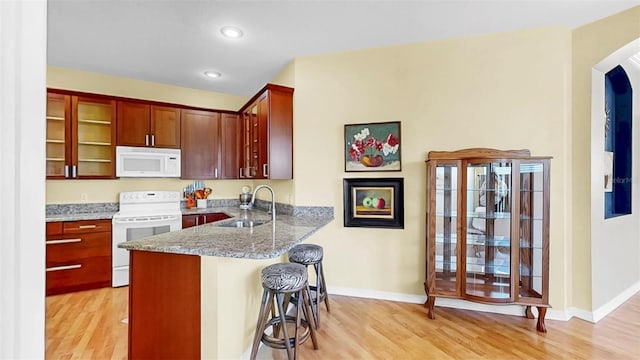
84, 197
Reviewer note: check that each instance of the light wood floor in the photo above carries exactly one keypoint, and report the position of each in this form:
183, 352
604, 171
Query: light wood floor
87, 325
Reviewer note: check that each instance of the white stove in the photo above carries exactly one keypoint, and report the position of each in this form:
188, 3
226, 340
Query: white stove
142, 214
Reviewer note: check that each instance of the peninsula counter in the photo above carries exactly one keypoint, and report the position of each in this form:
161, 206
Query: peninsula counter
195, 293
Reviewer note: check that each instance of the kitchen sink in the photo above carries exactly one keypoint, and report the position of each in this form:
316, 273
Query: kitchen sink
244, 223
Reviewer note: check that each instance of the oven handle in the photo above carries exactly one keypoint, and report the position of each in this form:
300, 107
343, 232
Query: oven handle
150, 219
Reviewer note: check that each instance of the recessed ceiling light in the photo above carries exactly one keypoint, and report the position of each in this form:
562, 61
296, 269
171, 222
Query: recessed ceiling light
212, 74
231, 32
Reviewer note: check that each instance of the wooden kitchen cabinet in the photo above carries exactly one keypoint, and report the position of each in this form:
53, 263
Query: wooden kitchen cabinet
78, 255
81, 132
201, 219
58, 140
144, 124
200, 144
256, 142
230, 145
210, 145
267, 134
164, 306
488, 228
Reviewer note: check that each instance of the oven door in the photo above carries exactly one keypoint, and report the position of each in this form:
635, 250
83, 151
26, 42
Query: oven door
132, 228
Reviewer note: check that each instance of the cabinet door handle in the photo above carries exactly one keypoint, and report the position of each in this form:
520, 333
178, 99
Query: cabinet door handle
197, 220
215, 173
66, 267
146, 140
66, 171
265, 168
87, 226
153, 140
62, 241
74, 171
240, 173
204, 219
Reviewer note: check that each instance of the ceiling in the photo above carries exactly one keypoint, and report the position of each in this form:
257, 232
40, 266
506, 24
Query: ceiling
175, 41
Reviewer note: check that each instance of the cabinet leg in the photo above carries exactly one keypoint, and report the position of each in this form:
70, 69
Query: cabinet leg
431, 302
542, 312
528, 313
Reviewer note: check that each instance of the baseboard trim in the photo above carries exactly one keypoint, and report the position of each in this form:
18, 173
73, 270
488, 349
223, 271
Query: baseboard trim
604, 310
376, 294
517, 310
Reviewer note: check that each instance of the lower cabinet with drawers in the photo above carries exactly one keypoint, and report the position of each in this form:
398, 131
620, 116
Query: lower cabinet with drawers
78, 255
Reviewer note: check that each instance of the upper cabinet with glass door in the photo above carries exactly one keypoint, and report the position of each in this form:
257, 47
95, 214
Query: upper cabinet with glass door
86, 147
95, 131
268, 134
250, 152
58, 154
488, 228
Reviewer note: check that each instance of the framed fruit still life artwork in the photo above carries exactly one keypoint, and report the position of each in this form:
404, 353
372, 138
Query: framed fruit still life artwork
372, 147
374, 202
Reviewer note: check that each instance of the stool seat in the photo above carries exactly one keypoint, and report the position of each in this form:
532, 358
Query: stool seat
306, 254
287, 277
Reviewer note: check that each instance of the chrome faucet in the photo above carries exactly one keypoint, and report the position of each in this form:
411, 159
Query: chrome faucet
273, 200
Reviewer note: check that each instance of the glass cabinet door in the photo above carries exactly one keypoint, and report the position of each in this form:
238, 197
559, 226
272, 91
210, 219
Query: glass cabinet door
95, 142
533, 246
58, 109
250, 142
488, 236
255, 143
446, 220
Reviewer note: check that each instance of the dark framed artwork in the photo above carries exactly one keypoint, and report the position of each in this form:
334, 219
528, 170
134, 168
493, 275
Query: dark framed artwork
374, 203
372, 147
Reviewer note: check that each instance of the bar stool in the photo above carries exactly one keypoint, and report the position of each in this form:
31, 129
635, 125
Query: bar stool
280, 282
311, 254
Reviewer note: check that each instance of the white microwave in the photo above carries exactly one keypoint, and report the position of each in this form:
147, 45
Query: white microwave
147, 162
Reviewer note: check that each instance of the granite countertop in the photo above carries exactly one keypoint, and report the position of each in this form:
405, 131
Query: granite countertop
77, 213
264, 241
106, 215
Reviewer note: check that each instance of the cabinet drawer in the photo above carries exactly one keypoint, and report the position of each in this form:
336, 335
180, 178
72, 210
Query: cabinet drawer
189, 221
87, 273
83, 226
201, 219
64, 249
209, 218
54, 228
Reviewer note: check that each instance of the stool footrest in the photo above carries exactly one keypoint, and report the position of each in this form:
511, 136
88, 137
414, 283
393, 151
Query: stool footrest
279, 343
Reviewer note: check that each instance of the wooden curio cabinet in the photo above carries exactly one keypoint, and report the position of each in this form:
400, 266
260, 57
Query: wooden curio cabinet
488, 228
267, 134
80, 137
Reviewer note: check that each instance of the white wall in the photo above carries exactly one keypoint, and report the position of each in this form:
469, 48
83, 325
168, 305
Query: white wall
615, 242
23, 34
